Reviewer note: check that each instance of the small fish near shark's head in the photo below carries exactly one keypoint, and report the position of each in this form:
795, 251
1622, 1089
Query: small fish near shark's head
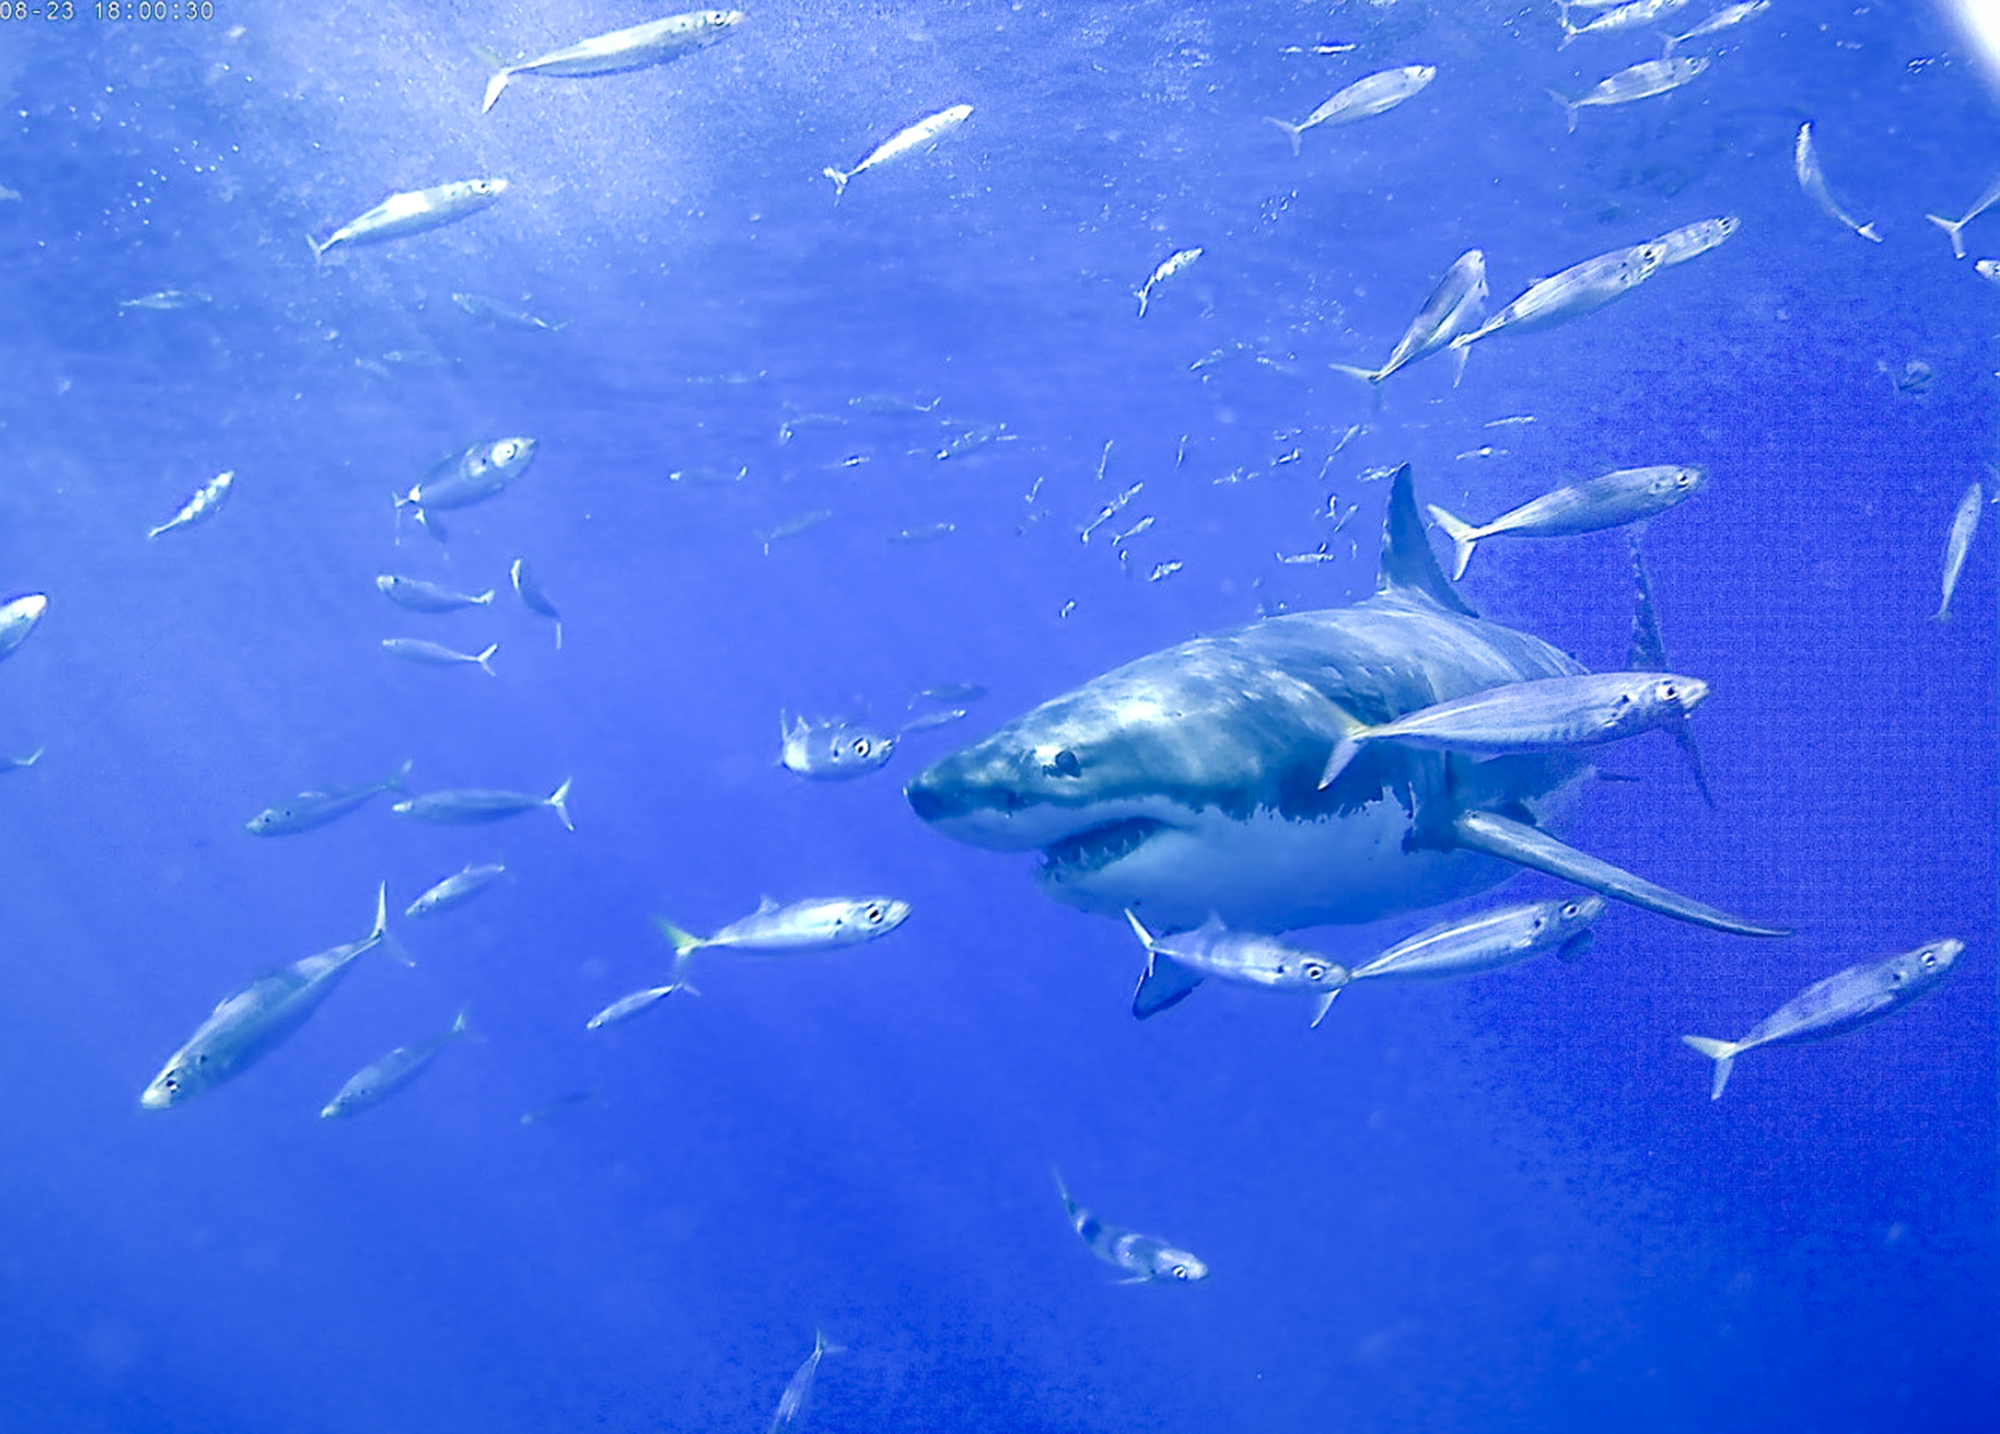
1186, 784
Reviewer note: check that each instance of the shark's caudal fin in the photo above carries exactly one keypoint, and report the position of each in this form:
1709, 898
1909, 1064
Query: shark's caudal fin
1723, 1053
1166, 983
1526, 846
1408, 564
1649, 654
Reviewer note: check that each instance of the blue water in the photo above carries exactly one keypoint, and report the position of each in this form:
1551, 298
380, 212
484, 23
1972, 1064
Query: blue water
1502, 1204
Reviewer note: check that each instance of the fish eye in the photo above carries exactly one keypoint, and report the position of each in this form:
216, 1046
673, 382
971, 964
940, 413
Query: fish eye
1669, 692
172, 1084
1929, 959
860, 746
1313, 970
1570, 908
874, 915
1180, 1272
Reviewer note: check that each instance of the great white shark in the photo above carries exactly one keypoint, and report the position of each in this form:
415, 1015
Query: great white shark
1185, 784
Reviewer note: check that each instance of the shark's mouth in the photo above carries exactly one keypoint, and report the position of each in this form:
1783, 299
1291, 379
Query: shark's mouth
1098, 847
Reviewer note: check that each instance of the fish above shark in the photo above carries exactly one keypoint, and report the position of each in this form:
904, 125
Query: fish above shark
1185, 784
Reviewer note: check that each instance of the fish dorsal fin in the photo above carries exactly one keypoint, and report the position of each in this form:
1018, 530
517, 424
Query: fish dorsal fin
766, 905
1408, 564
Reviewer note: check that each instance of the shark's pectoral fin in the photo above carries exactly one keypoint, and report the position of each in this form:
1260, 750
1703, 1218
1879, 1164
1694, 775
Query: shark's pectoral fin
1527, 846
1166, 983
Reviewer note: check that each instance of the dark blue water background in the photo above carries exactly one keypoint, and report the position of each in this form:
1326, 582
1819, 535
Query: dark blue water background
1503, 1204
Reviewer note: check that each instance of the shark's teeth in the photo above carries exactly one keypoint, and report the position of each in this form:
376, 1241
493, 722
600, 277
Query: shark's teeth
1092, 850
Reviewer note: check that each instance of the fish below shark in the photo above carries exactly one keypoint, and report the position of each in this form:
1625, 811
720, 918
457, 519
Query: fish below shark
1184, 785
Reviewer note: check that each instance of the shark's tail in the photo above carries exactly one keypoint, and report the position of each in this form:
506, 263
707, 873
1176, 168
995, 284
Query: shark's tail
1464, 537
1951, 227
1723, 1053
1292, 131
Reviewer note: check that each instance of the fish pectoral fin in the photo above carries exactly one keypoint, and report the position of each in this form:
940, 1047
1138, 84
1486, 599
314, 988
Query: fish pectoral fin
1321, 1007
1527, 846
1166, 983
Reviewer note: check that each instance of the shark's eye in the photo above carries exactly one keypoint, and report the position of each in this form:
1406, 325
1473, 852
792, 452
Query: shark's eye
1066, 764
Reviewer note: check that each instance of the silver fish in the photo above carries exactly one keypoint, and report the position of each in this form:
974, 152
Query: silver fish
1964, 523
1453, 308
18, 618
206, 502
426, 653
792, 1403
1578, 290
919, 138
626, 1007
504, 314
1366, 97
412, 211
1630, 16
1726, 18
1543, 715
1485, 942
1177, 963
1168, 267
1145, 1259
420, 596
926, 533
634, 48
831, 751
533, 597
1636, 82
455, 890
1812, 179
1610, 501
377, 1081
1842, 1002
815, 924
469, 805
793, 527
1989, 270
1693, 240
167, 301
706, 477
254, 1021
924, 722
316, 808
485, 470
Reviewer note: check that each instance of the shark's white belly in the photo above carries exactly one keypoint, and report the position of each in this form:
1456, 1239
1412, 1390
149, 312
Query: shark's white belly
1272, 874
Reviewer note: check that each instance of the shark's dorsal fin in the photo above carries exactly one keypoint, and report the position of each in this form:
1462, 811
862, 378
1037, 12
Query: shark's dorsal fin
1408, 564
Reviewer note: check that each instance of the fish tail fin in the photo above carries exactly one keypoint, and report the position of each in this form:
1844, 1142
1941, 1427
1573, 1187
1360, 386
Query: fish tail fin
485, 599
1723, 1053
379, 934
32, 757
397, 778
1951, 228
485, 660
1568, 104
1943, 614
1139, 929
1667, 43
1063, 1190
558, 634
1373, 376
1867, 231
1353, 732
685, 943
839, 181
558, 800
319, 249
1319, 1011
1461, 354
1464, 537
493, 88
461, 1029
1142, 295
1292, 131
